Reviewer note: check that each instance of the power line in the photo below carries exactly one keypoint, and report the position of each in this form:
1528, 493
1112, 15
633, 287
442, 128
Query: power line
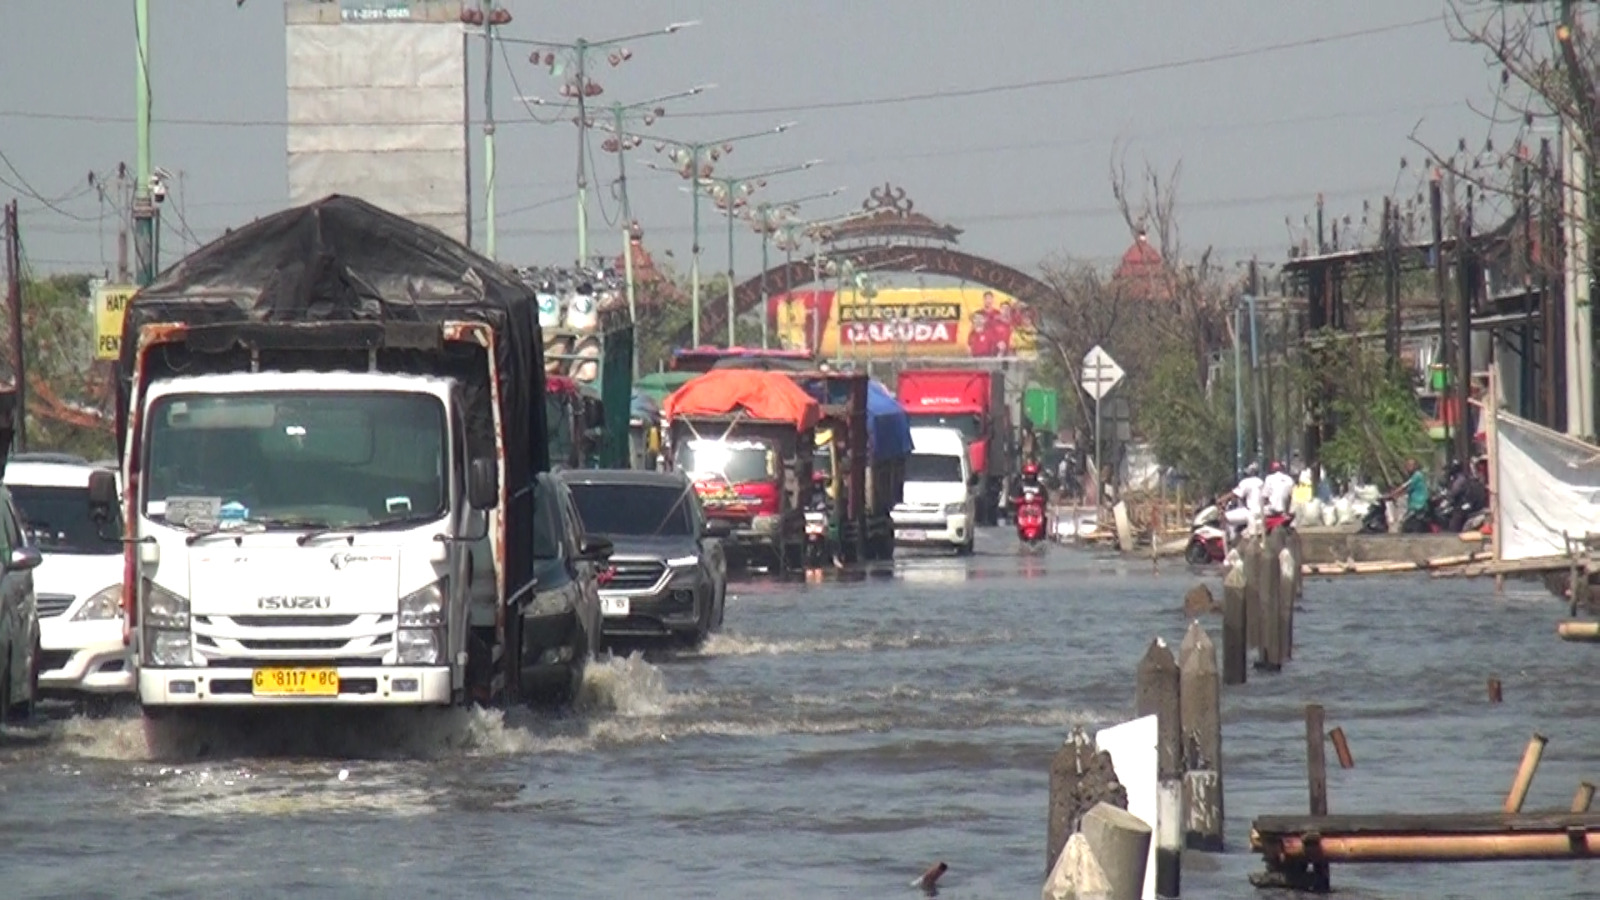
893, 100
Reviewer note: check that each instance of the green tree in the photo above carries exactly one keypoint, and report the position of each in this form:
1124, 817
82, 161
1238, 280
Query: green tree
68, 393
1377, 422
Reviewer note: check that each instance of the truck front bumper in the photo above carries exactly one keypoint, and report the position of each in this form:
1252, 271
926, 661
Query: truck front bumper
358, 686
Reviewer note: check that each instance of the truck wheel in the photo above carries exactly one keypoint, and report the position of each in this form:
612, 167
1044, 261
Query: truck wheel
480, 668
5, 688
964, 549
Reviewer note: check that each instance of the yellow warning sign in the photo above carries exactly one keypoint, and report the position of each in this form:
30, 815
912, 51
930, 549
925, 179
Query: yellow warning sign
110, 302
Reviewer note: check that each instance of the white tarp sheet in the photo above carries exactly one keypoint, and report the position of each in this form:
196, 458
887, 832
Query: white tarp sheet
1548, 483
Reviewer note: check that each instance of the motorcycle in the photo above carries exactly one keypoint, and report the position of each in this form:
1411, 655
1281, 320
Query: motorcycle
1376, 520
1029, 517
816, 538
1208, 537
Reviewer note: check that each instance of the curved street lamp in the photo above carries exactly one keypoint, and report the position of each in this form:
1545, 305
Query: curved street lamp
767, 219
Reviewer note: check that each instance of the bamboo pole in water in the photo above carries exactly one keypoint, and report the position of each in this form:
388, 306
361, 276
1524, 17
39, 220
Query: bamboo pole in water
1377, 848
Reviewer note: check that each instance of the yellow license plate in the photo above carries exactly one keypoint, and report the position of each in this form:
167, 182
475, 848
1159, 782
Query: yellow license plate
296, 682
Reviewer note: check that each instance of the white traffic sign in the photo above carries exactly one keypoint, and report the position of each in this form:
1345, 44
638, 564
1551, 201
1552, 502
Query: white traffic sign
1100, 373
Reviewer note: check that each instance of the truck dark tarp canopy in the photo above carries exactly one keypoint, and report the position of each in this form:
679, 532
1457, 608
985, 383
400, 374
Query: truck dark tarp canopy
343, 261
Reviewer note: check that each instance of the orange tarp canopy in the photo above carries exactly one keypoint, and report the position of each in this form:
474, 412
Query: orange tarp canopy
764, 396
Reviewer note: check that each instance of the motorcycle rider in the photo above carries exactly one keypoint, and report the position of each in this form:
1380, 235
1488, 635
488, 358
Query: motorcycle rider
1028, 484
1249, 491
1279, 489
1467, 495
1415, 489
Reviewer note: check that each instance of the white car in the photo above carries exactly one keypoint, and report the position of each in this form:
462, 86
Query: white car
79, 582
938, 506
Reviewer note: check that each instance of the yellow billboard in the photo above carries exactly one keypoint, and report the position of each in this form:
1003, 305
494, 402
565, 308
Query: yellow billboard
110, 302
905, 323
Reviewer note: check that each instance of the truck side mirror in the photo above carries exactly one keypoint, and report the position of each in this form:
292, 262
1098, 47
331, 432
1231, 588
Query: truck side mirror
595, 548
102, 495
717, 528
483, 484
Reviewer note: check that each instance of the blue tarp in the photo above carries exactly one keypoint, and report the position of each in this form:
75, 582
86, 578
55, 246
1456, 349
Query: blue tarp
644, 407
888, 425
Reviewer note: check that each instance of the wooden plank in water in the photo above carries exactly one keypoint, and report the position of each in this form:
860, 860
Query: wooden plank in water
1269, 828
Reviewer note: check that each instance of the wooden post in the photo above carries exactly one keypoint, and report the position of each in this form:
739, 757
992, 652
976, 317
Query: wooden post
1584, 797
1341, 749
1233, 626
1494, 690
1200, 713
1524, 779
1317, 783
1491, 436
1120, 842
1156, 693
930, 879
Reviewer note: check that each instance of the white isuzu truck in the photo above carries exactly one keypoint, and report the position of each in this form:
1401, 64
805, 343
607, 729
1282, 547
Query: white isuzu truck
331, 421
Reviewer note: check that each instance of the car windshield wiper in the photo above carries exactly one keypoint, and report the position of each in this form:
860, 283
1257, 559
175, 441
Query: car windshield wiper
374, 525
264, 523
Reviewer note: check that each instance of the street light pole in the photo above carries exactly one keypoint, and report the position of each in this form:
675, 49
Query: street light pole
689, 157
580, 88
732, 189
488, 16
144, 210
766, 222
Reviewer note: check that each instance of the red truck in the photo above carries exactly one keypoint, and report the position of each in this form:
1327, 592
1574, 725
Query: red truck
973, 402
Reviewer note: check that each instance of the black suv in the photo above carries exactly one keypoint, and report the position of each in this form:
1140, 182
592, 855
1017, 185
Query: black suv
668, 574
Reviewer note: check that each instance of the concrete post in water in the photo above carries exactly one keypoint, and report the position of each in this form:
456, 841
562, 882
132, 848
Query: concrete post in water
1317, 783
1200, 715
1080, 777
1524, 779
1120, 843
1076, 874
1250, 563
1233, 626
1289, 592
1270, 632
1156, 694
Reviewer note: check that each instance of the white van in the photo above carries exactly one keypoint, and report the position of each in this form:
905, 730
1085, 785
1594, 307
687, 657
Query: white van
938, 505
79, 582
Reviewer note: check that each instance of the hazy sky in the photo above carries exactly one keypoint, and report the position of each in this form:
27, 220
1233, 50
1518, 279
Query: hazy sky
1024, 172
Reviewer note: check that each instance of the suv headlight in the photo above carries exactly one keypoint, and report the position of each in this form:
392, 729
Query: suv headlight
683, 562
163, 608
419, 641
105, 604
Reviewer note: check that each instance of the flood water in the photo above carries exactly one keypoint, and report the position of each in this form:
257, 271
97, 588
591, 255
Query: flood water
834, 741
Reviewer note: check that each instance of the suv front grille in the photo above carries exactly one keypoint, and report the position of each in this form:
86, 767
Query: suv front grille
634, 576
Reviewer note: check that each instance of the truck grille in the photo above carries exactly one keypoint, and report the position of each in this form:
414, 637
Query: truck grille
224, 640
634, 576
52, 605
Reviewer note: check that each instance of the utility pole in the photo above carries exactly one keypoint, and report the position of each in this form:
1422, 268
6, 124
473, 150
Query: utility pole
767, 220
1391, 283
14, 310
1580, 322
1466, 288
144, 209
579, 88
1436, 214
488, 17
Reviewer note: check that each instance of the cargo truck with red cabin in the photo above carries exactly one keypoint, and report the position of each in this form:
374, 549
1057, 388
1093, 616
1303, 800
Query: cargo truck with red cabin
746, 438
973, 402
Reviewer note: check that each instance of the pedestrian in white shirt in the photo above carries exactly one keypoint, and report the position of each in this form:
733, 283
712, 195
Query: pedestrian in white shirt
1249, 491
1279, 487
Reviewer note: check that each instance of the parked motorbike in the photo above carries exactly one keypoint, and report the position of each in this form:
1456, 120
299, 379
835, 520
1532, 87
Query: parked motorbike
1208, 537
1376, 521
1030, 518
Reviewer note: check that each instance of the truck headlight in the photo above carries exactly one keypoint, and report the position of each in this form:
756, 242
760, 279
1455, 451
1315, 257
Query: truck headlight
424, 608
419, 641
163, 608
683, 562
105, 604
170, 649
951, 509
418, 646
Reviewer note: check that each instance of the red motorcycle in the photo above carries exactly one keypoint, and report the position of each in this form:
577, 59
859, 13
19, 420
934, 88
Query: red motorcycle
1030, 518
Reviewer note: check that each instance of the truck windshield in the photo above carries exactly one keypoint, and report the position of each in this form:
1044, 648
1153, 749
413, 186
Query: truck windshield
56, 519
968, 424
933, 467
740, 462
335, 459
634, 509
